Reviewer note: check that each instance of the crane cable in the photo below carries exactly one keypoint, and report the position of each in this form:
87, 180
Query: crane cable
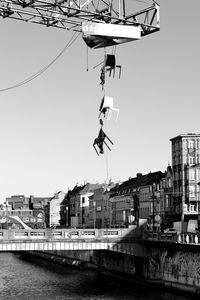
106, 159
32, 77
106, 165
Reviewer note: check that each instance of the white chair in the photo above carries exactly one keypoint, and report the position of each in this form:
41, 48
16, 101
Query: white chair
106, 107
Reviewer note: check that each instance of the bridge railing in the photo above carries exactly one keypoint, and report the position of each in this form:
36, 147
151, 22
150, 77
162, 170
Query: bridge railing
67, 234
181, 238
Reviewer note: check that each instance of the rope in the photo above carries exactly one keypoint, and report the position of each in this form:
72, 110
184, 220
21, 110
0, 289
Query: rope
87, 65
32, 77
106, 157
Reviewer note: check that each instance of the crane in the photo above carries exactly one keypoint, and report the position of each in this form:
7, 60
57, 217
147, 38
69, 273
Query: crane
102, 22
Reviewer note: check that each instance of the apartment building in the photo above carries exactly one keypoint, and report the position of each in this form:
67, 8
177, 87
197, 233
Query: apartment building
79, 204
138, 197
18, 202
186, 179
55, 208
167, 212
100, 208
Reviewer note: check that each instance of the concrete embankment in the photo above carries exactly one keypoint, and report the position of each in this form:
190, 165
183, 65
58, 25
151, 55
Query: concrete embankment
167, 265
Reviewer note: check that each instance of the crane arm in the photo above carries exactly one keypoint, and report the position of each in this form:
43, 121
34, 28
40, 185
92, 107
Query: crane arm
70, 14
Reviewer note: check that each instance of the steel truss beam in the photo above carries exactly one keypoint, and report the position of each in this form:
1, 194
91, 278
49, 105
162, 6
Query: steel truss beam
69, 14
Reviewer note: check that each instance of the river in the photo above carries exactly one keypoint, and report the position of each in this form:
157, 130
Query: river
22, 279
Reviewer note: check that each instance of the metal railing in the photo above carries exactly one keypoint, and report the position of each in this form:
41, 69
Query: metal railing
181, 238
66, 234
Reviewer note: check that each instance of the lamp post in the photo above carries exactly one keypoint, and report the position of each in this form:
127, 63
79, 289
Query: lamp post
67, 223
198, 200
153, 198
136, 208
94, 204
110, 214
50, 219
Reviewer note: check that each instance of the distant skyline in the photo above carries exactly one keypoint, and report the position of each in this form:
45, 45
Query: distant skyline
47, 127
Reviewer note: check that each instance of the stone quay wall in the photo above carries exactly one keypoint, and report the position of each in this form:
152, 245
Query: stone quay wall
168, 265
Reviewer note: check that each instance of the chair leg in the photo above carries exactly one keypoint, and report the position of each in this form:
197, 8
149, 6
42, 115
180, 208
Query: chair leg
95, 149
109, 113
120, 69
117, 111
107, 145
110, 140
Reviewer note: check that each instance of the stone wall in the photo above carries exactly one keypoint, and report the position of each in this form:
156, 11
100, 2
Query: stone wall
178, 267
170, 265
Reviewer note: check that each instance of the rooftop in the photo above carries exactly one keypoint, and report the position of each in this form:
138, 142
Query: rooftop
185, 135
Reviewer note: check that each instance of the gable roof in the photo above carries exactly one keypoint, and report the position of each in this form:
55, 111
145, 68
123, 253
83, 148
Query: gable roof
140, 180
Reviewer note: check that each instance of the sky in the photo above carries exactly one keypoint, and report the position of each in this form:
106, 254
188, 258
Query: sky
47, 126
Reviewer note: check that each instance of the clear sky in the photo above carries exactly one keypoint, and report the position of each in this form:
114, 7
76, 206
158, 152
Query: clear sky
47, 126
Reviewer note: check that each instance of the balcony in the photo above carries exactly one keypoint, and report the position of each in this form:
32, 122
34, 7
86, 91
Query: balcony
191, 212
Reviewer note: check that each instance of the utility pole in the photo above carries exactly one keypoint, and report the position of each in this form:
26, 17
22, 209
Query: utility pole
153, 198
94, 206
136, 208
183, 198
67, 222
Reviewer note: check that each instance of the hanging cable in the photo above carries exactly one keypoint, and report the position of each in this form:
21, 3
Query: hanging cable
106, 156
32, 77
107, 167
87, 64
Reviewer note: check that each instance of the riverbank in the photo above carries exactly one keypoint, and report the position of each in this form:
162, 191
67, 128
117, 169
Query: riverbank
138, 280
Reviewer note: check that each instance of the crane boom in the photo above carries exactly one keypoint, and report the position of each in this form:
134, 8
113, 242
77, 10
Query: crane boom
70, 14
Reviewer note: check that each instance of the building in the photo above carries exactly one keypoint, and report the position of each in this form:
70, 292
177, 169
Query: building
138, 197
74, 203
149, 198
64, 210
100, 208
125, 202
55, 208
5, 206
18, 202
167, 212
38, 202
186, 179
83, 207
79, 204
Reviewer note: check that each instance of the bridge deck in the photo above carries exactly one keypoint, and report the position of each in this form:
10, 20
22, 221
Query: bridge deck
120, 240
65, 239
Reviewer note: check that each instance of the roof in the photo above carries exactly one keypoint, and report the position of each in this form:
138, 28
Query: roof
77, 189
185, 135
151, 178
141, 180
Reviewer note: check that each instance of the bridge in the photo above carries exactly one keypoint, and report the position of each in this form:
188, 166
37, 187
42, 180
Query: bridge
65, 239
122, 240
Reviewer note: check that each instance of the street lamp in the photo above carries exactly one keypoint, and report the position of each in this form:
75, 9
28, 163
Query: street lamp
94, 204
153, 198
67, 223
136, 208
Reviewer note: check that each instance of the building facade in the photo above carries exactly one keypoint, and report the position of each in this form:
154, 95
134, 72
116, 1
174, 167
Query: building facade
18, 202
100, 208
55, 208
186, 179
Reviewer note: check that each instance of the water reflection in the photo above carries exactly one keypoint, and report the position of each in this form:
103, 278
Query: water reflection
34, 279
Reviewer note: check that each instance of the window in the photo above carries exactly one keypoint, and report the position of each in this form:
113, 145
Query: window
191, 174
169, 183
198, 174
191, 160
166, 201
192, 208
191, 191
191, 144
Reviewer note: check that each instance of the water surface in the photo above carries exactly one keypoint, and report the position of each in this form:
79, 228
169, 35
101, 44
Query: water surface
22, 279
